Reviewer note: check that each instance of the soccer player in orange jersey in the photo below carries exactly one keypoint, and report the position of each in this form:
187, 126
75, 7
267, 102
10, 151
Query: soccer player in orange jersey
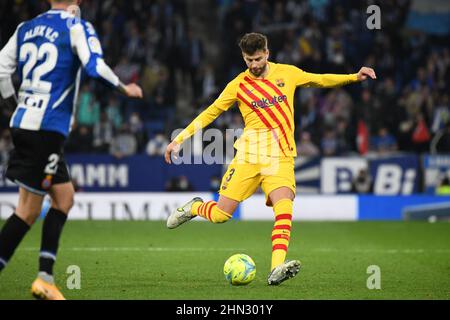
266, 150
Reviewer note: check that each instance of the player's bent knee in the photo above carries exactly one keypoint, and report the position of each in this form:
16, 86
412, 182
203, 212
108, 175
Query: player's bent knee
64, 205
29, 217
28, 213
70, 204
67, 205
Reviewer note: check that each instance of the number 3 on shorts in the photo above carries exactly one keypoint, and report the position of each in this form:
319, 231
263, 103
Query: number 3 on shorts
231, 174
52, 165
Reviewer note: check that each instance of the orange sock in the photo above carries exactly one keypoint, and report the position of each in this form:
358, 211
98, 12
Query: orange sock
281, 231
210, 211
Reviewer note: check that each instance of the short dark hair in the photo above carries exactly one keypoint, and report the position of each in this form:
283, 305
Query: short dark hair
253, 42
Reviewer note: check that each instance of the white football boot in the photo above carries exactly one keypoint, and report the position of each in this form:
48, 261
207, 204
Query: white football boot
182, 214
284, 271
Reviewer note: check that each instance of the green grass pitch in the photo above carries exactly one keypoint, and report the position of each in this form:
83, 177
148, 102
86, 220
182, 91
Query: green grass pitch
144, 260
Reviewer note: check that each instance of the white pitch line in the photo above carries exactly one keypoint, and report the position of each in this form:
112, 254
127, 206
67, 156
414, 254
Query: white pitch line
177, 249
139, 249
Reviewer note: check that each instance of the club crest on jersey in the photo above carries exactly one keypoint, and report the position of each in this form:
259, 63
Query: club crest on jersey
280, 82
47, 182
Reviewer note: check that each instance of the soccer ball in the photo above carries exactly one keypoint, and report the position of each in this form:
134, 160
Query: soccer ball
239, 269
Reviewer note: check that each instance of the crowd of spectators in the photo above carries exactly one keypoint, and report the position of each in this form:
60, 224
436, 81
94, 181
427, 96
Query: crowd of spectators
148, 42
151, 42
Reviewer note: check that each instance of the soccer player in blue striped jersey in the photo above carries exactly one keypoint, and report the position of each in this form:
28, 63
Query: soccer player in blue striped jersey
49, 52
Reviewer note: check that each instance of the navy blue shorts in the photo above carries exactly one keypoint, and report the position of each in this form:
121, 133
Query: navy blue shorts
37, 160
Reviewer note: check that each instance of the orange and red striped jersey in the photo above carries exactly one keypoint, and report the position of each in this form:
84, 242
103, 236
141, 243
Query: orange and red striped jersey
266, 105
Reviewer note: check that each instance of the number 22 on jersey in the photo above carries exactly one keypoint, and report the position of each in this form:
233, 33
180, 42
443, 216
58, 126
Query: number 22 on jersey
33, 72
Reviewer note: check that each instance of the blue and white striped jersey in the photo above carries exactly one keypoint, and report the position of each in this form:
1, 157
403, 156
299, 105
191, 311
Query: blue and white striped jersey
49, 53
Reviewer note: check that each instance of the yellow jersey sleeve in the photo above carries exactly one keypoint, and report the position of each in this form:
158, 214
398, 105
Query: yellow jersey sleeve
228, 96
327, 80
201, 121
226, 99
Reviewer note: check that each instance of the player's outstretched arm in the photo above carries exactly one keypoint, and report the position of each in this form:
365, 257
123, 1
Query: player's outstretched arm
329, 80
88, 48
202, 120
131, 90
366, 72
226, 99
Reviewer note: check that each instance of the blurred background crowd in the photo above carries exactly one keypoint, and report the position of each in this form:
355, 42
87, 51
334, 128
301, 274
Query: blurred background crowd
183, 53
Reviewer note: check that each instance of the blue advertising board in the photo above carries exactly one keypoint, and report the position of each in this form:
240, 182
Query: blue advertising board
435, 168
140, 173
391, 175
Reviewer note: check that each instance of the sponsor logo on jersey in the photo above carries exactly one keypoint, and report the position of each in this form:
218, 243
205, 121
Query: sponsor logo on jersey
95, 46
264, 103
